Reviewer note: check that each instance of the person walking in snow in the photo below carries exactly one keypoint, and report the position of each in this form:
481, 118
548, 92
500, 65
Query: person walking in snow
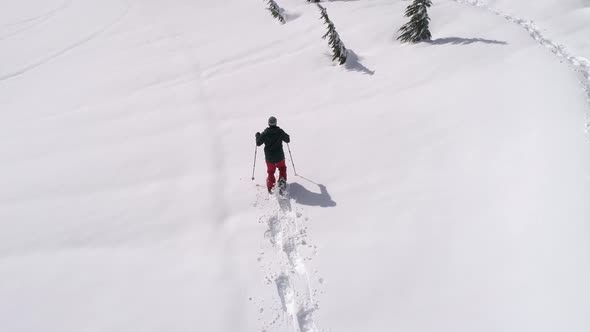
273, 138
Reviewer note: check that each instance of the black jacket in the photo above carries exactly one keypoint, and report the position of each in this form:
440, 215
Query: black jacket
273, 138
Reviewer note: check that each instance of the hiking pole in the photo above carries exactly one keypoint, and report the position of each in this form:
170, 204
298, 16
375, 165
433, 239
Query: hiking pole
254, 167
291, 157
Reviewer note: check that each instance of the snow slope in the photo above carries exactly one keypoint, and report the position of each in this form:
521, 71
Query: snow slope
442, 186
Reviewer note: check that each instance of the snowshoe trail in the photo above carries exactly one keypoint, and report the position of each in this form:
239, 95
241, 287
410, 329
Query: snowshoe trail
288, 272
580, 64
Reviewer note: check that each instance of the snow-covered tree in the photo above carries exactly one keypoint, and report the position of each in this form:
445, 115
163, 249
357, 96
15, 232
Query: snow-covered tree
417, 29
338, 50
276, 11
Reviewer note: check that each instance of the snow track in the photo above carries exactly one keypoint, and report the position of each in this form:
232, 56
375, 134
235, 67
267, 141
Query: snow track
580, 64
291, 278
33, 21
57, 53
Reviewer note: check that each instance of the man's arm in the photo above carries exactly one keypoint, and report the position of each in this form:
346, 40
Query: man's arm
286, 137
259, 139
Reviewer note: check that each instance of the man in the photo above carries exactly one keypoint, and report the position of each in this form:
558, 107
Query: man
273, 138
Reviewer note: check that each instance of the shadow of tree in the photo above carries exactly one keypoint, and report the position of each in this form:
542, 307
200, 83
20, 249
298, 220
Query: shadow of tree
464, 41
289, 17
303, 196
319, 1
353, 64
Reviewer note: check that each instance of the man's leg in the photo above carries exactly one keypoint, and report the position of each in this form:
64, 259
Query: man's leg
270, 180
282, 170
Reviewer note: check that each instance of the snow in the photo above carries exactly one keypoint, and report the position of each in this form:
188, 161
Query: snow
441, 186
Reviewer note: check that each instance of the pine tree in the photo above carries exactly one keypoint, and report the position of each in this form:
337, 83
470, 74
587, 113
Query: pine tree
338, 49
276, 11
417, 29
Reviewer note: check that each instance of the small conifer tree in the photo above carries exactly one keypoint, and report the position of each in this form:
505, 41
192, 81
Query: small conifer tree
276, 11
417, 29
338, 50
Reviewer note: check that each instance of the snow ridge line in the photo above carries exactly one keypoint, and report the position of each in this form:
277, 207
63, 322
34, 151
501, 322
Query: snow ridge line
292, 281
580, 64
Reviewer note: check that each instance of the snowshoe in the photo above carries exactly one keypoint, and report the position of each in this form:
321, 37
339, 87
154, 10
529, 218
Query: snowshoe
282, 188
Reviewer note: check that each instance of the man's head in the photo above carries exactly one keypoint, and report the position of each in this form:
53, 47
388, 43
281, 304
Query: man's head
272, 121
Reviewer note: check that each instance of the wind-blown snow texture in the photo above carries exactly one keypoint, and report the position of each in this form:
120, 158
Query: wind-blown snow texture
443, 186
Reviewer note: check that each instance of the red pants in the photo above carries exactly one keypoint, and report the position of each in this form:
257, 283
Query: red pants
271, 168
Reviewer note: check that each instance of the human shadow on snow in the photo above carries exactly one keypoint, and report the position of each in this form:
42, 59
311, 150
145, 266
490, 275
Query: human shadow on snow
464, 41
303, 196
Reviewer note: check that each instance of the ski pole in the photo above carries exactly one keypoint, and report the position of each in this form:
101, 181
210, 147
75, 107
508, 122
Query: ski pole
291, 157
254, 167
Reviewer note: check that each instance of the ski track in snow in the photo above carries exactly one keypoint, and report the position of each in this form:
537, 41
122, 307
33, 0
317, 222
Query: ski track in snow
579, 64
51, 12
27, 68
34, 21
292, 281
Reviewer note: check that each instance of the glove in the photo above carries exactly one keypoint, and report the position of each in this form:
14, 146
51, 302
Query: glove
257, 135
